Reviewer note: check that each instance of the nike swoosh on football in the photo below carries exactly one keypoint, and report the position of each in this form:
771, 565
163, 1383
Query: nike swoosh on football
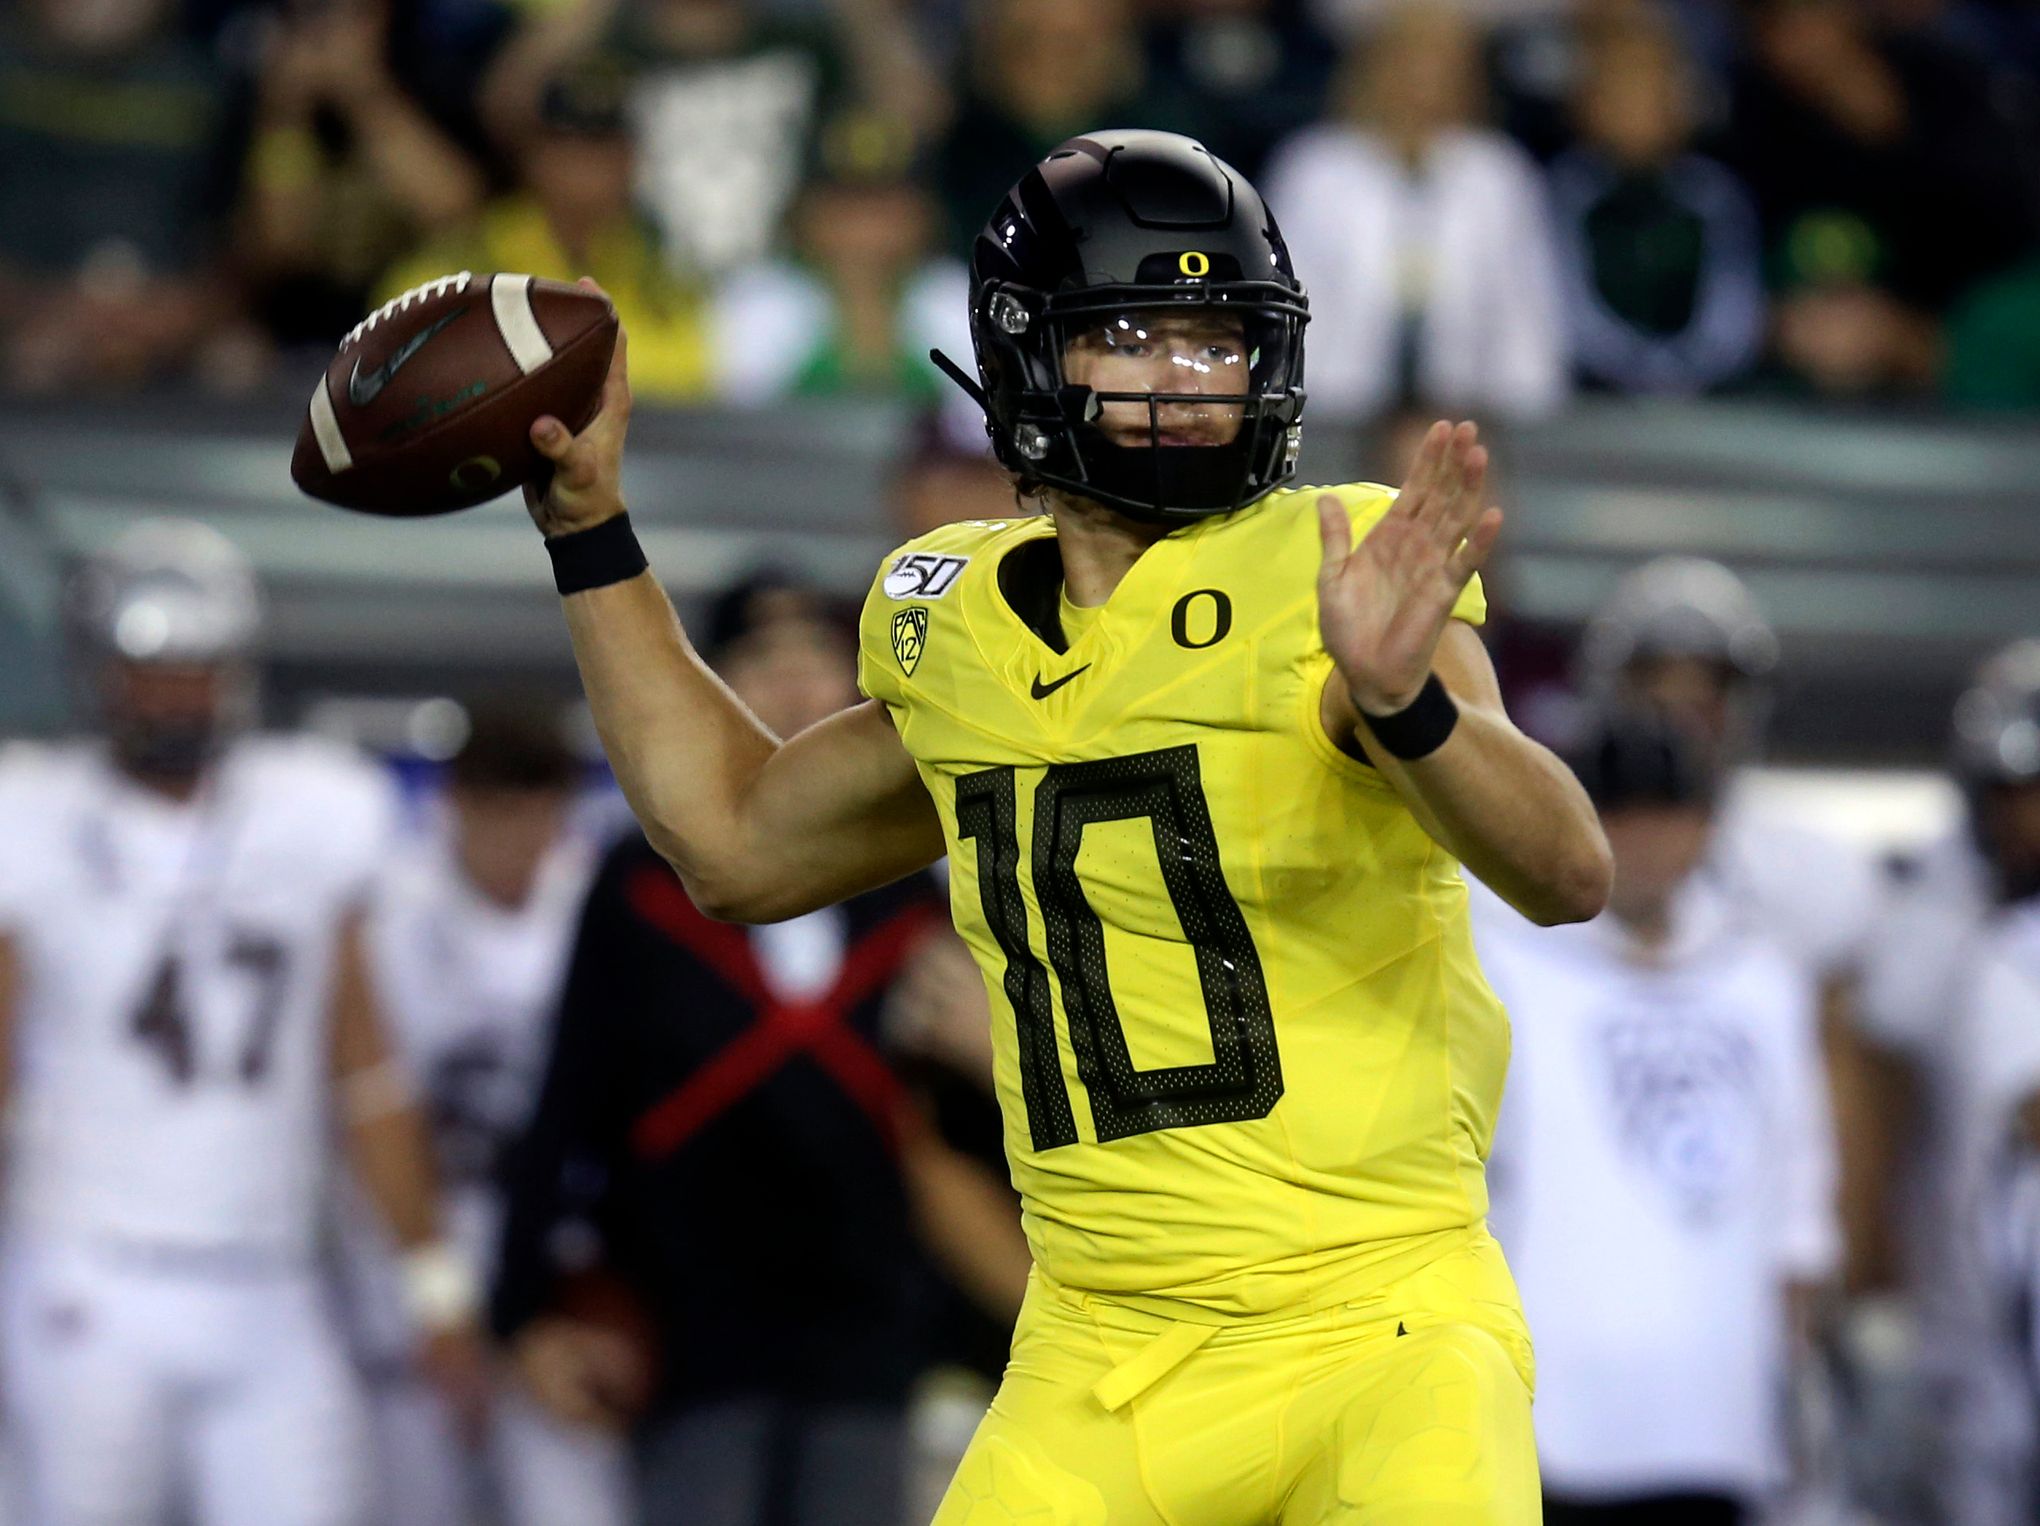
362, 390
1042, 690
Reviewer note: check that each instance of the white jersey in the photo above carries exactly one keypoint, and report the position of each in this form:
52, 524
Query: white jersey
1663, 1168
469, 990
1816, 896
172, 1051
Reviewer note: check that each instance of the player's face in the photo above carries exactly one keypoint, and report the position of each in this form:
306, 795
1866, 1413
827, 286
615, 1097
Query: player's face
792, 673
501, 837
164, 718
1655, 847
1183, 351
1692, 690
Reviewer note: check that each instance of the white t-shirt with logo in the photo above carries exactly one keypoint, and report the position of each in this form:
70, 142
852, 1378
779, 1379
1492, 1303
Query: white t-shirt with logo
172, 1051
1664, 1167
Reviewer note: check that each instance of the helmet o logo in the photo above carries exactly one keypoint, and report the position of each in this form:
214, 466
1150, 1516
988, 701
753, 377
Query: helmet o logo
474, 473
1193, 262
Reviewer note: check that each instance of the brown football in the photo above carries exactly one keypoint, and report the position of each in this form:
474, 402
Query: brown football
428, 405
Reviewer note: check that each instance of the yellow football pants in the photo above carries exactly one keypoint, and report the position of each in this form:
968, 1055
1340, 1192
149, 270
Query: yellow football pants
1410, 1407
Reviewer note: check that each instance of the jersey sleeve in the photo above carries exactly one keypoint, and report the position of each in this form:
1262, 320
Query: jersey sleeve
1366, 503
878, 675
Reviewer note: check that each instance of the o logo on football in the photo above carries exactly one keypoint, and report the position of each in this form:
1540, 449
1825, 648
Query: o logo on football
474, 473
909, 638
1193, 262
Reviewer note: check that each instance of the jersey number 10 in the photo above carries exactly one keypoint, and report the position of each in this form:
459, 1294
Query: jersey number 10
1243, 1078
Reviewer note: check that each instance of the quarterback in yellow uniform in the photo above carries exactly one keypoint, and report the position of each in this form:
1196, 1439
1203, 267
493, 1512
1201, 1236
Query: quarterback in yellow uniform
1206, 754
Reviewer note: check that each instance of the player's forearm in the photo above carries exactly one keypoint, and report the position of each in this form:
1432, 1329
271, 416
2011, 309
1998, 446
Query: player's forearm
1511, 811
391, 1153
685, 751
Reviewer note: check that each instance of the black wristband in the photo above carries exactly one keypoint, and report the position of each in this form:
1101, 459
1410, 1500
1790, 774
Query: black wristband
1420, 727
596, 557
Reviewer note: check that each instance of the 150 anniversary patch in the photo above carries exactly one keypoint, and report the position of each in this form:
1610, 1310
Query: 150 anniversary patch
923, 575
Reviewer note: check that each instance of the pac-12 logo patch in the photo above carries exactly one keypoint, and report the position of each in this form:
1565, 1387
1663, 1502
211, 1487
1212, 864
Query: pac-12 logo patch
923, 575
909, 638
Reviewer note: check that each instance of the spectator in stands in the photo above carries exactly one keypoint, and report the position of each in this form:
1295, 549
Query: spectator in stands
1658, 247
726, 100
1262, 67
1422, 236
857, 309
1040, 71
347, 172
468, 932
117, 148
1664, 1168
762, 1173
945, 473
574, 215
1839, 329
1993, 355
1836, 117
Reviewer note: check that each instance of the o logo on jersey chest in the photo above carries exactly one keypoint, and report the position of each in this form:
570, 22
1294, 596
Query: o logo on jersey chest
1194, 262
1188, 613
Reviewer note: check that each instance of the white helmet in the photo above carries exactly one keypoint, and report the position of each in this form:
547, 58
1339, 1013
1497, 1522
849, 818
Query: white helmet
169, 590
1679, 606
1997, 720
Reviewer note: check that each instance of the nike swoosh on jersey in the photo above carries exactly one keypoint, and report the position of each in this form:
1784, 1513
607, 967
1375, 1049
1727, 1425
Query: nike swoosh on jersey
362, 390
1042, 690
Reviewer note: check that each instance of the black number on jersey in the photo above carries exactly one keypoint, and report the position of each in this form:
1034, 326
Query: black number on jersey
1243, 1078
163, 1022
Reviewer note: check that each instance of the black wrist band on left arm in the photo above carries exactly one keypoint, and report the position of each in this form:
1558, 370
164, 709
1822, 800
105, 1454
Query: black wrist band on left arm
1420, 727
596, 557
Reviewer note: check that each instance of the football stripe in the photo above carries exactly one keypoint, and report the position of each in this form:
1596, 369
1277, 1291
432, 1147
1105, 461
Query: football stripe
511, 297
326, 430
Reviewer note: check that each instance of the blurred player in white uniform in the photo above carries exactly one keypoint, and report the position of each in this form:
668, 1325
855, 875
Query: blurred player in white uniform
1949, 986
1664, 1165
468, 934
186, 1021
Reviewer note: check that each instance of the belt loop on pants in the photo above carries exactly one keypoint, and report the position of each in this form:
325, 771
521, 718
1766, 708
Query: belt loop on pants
1149, 1365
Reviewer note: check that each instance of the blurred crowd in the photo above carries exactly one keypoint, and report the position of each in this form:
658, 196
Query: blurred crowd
1494, 203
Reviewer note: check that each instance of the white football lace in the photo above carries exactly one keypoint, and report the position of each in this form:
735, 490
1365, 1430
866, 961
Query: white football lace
424, 293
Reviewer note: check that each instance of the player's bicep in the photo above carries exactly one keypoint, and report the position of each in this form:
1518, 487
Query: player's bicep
836, 810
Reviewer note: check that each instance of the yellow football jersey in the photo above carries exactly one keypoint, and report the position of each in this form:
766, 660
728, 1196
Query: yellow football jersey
1245, 1053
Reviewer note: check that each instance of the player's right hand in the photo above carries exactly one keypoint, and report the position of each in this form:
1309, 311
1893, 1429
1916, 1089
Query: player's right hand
586, 483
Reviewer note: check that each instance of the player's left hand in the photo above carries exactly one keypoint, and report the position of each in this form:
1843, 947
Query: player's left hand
1383, 605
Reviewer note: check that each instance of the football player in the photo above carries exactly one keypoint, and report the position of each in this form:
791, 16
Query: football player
1206, 754
1686, 634
1952, 986
1664, 1174
184, 1009
468, 931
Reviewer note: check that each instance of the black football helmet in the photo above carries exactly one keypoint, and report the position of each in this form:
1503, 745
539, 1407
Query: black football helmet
1115, 221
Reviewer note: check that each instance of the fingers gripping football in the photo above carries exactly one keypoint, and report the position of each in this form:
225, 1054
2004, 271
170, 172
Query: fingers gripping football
585, 484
